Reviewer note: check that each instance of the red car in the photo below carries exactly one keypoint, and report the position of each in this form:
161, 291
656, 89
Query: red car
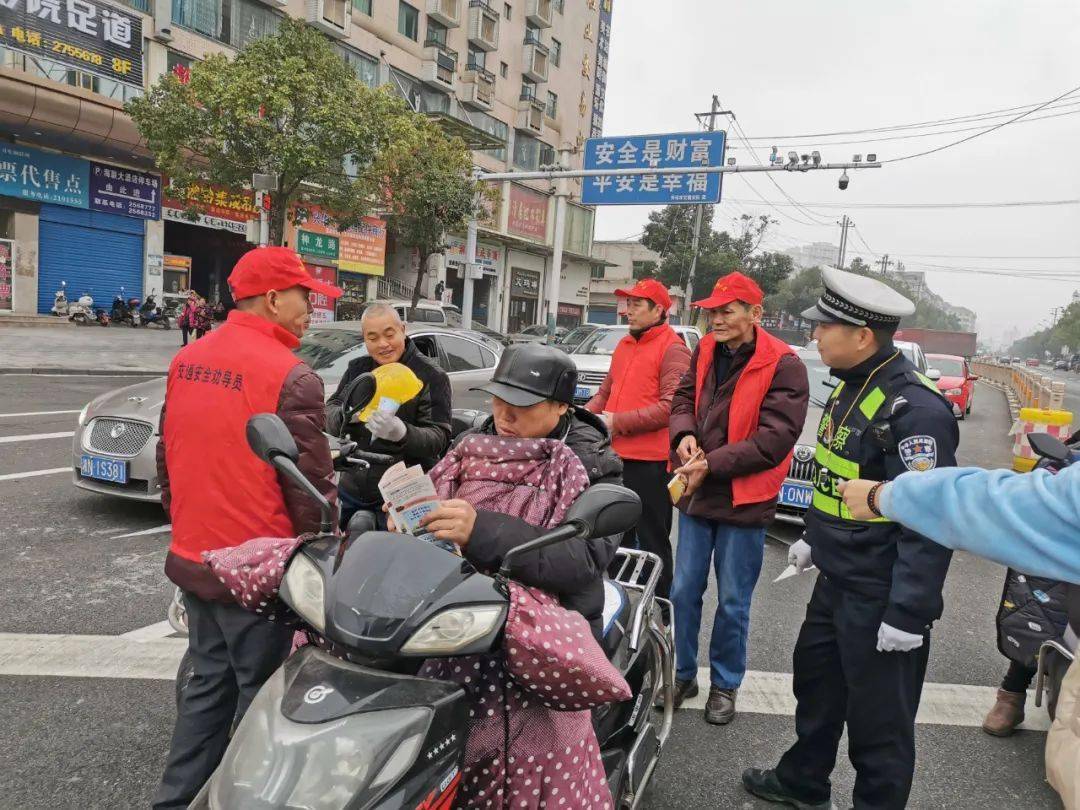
957, 382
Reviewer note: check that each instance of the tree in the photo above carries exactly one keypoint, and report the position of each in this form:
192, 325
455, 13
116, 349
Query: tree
287, 104
429, 192
859, 266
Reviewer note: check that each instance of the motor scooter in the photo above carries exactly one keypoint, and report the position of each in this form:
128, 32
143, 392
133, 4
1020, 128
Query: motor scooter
125, 310
150, 313
360, 729
60, 302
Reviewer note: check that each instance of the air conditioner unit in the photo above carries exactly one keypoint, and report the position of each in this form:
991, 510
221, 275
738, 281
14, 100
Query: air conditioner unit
332, 17
531, 117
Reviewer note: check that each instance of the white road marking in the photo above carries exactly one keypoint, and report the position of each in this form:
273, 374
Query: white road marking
942, 704
36, 437
151, 632
35, 413
156, 530
34, 473
139, 654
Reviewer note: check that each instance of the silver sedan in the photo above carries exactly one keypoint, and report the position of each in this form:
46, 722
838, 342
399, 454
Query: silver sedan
115, 443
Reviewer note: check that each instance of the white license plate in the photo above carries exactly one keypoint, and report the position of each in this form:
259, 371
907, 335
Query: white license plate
584, 392
104, 469
798, 495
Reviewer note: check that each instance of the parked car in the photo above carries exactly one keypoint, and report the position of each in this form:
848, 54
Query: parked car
537, 333
797, 491
1033, 362
115, 442
593, 356
575, 337
957, 383
424, 312
453, 318
1061, 365
1017, 360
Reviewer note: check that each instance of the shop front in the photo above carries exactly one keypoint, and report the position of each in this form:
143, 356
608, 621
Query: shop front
525, 286
491, 259
569, 315
207, 227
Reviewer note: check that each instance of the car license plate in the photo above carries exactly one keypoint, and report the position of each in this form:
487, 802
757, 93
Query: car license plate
584, 392
799, 495
104, 469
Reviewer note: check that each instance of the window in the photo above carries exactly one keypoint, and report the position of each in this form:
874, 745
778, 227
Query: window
596, 271
555, 51
436, 33
364, 7
477, 59
425, 344
490, 360
532, 33
408, 21
173, 60
552, 105
531, 154
234, 22
365, 67
528, 89
202, 16
492, 126
559, 5
335, 12
461, 354
504, 69
506, 10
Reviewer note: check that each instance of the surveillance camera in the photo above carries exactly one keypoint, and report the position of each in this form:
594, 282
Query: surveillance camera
872, 157
792, 158
816, 157
857, 159
844, 180
731, 161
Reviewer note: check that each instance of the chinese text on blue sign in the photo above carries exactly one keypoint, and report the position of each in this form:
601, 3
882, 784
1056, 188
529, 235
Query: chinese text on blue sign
125, 191
43, 176
685, 150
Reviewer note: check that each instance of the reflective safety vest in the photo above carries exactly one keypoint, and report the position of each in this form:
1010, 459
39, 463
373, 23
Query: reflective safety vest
842, 452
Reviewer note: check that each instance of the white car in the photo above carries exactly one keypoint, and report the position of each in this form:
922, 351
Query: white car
593, 356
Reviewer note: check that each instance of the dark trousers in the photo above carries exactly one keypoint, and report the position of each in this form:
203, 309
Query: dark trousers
1018, 678
184, 332
233, 652
653, 532
840, 677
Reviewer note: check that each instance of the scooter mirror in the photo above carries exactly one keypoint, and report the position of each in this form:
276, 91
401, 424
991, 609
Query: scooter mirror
605, 510
268, 438
1048, 446
357, 396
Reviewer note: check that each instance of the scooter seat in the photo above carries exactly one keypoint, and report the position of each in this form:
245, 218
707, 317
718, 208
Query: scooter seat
616, 616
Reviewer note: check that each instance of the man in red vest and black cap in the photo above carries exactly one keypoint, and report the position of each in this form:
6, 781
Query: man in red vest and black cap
734, 421
219, 494
635, 402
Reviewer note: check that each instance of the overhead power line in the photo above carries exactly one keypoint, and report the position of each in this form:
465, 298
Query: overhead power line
1003, 204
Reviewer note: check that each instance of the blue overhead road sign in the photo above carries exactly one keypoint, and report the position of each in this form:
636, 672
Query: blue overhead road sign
669, 151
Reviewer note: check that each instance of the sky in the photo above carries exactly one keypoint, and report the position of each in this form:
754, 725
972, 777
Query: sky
791, 68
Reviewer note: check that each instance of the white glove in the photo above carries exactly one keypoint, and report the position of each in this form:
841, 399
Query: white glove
799, 555
386, 426
890, 639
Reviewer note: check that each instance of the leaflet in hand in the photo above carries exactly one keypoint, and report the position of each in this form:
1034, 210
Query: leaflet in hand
410, 494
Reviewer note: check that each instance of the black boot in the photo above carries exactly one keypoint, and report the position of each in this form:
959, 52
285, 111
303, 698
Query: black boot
683, 690
765, 785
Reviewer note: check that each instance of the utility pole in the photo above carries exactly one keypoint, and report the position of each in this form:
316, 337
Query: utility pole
714, 111
562, 191
844, 223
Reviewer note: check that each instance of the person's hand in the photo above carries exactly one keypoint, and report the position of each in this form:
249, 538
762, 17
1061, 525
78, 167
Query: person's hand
855, 494
891, 639
453, 520
694, 471
390, 525
609, 421
386, 426
799, 556
688, 446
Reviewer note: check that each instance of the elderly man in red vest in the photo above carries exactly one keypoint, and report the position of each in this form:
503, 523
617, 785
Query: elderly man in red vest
635, 401
734, 421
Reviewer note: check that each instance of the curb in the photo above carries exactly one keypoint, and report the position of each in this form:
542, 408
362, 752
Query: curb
88, 372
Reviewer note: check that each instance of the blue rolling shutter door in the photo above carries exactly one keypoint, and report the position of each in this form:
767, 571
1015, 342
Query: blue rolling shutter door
92, 251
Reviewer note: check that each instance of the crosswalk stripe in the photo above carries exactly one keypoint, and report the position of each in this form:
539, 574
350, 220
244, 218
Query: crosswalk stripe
34, 473
34, 437
36, 413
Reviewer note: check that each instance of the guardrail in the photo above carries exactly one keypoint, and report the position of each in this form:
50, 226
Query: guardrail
1031, 389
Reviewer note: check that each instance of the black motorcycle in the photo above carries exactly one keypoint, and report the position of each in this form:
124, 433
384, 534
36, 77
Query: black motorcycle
125, 310
150, 313
360, 729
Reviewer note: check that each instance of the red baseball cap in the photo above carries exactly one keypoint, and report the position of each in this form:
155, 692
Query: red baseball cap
274, 268
732, 287
648, 288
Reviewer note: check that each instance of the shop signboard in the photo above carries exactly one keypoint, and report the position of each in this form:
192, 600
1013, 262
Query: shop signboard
361, 248
317, 244
214, 206
528, 213
7, 273
489, 256
125, 191
89, 35
31, 174
322, 306
524, 283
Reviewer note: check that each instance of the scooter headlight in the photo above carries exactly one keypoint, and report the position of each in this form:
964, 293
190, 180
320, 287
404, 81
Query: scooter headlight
304, 591
453, 630
352, 761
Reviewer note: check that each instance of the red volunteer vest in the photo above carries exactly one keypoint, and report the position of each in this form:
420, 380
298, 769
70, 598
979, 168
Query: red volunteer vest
635, 383
750, 390
222, 493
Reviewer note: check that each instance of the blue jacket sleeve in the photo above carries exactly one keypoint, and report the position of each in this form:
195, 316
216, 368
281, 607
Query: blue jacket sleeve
1029, 522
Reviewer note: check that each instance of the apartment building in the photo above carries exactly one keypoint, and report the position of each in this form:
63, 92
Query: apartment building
619, 263
517, 80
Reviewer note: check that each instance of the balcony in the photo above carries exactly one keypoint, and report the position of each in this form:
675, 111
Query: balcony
536, 59
448, 12
332, 17
530, 117
478, 87
439, 64
483, 25
539, 12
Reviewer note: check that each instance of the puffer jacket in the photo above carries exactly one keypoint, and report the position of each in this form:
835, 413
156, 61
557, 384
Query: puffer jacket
426, 417
573, 571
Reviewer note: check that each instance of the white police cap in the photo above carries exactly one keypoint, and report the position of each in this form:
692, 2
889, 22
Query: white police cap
858, 301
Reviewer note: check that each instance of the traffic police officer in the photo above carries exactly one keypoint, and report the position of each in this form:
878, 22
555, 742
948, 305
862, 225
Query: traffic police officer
861, 654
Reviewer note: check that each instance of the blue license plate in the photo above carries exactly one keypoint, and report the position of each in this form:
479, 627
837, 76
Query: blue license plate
104, 469
583, 392
799, 495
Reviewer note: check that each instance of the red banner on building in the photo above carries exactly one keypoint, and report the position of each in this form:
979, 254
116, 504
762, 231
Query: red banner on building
322, 306
528, 213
